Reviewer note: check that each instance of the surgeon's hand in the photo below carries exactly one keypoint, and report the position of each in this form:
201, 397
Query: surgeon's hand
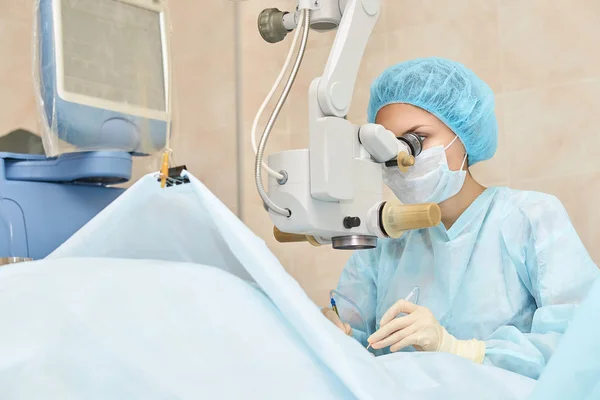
423, 331
333, 317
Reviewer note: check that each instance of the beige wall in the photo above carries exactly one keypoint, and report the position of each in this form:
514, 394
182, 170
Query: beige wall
17, 104
205, 96
538, 55
204, 92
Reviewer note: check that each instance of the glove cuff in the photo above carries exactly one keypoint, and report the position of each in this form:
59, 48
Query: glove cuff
473, 349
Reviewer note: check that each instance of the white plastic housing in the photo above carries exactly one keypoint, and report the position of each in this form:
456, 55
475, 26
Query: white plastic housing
381, 143
320, 218
327, 17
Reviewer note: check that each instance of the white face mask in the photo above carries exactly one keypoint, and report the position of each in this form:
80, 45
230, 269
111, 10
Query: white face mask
430, 180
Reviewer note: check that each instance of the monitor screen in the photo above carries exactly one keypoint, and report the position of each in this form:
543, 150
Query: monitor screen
113, 51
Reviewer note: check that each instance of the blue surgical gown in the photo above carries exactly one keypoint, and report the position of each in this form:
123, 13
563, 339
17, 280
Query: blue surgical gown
511, 271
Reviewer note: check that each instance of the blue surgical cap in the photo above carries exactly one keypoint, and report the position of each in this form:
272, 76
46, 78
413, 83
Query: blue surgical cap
448, 90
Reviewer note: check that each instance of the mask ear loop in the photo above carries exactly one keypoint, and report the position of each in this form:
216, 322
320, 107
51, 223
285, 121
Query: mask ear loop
451, 143
464, 159
463, 163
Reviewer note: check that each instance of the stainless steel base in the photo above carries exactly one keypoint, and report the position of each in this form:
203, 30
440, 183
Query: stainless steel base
355, 242
13, 260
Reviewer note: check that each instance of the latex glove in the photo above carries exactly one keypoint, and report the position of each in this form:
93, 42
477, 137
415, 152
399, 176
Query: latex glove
333, 317
422, 330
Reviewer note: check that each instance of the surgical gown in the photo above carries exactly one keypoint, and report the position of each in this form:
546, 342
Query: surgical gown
511, 271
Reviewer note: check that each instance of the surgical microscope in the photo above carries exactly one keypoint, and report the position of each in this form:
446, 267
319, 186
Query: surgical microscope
331, 193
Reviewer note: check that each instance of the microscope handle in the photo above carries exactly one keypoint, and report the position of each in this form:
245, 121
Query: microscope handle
397, 217
283, 237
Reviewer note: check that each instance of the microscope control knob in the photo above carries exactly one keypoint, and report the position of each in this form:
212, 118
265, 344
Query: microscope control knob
405, 161
270, 25
351, 222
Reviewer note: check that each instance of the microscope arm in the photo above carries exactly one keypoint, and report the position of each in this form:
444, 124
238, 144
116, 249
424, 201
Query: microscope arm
339, 78
335, 144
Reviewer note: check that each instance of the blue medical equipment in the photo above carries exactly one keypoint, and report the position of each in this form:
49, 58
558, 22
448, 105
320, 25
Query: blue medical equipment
103, 73
43, 201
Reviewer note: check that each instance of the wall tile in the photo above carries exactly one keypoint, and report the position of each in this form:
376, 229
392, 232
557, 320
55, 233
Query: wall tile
17, 106
548, 41
475, 44
205, 92
205, 95
410, 13
551, 131
202, 29
17, 11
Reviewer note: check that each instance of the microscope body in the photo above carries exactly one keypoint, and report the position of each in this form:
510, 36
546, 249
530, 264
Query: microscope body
331, 192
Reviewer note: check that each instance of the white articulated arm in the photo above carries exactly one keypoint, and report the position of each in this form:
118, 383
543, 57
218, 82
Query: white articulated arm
333, 139
337, 83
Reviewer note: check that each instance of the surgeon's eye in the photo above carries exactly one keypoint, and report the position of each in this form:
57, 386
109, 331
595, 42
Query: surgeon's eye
421, 136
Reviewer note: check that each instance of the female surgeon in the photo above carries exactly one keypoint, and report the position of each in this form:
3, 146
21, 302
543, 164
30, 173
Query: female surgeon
501, 276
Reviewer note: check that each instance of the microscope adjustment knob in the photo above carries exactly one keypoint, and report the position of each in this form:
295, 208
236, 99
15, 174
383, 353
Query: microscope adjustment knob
405, 161
351, 222
270, 25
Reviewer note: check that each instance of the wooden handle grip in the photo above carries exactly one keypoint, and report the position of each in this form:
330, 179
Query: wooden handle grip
283, 237
405, 161
398, 217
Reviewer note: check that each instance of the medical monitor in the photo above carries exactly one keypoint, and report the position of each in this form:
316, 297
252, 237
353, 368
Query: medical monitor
104, 72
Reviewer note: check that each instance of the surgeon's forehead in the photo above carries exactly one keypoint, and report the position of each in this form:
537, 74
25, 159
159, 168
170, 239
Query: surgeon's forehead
402, 118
